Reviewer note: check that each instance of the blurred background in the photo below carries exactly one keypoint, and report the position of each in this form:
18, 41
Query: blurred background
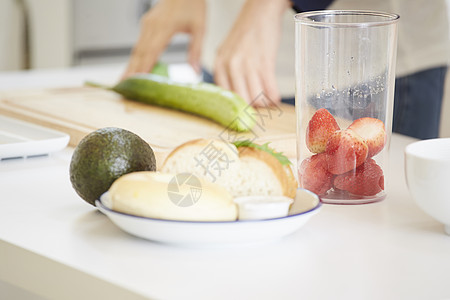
42, 34
65, 33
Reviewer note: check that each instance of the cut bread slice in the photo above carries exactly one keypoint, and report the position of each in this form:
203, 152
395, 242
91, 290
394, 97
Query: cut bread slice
243, 171
212, 160
261, 174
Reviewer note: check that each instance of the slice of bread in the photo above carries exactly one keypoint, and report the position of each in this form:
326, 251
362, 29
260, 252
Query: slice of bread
243, 171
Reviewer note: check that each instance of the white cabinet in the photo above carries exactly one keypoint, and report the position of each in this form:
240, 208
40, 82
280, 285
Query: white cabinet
50, 33
12, 36
106, 30
63, 33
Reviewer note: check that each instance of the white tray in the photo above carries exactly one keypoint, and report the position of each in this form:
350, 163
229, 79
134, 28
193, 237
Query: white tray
23, 139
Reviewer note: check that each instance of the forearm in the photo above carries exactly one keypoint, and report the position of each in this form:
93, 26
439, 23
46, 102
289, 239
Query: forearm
272, 7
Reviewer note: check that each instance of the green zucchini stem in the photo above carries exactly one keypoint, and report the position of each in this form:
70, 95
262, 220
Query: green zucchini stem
97, 85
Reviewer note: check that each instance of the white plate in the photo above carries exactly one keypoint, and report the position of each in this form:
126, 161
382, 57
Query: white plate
22, 139
305, 205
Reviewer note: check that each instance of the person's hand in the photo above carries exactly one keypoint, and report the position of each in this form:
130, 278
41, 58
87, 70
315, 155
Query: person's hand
245, 61
159, 25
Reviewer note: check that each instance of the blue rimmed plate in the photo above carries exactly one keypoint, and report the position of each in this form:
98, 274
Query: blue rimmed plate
306, 204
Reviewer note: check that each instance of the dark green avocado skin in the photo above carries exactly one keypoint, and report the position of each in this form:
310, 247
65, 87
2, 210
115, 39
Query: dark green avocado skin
103, 156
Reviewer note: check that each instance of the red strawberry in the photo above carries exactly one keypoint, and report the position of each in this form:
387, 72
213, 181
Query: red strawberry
345, 151
320, 127
366, 180
372, 131
314, 175
381, 182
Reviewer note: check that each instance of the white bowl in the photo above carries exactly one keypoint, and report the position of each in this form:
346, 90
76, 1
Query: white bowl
305, 205
427, 169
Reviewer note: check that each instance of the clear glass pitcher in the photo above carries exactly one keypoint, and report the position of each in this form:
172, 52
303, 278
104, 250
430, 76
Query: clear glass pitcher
345, 76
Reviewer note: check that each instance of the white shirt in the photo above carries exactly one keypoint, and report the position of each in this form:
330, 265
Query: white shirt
423, 34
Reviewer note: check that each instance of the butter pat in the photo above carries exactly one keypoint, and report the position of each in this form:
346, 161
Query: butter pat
263, 207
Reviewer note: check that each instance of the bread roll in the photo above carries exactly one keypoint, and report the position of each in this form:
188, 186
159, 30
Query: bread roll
248, 171
172, 197
261, 174
194, 157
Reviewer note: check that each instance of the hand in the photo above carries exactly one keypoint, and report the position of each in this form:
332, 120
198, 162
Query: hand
160, 24
245, 62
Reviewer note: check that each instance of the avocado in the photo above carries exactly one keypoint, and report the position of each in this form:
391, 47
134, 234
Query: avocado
103, 156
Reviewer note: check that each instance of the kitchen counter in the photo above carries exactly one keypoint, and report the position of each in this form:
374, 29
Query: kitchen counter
74, 77
56, 246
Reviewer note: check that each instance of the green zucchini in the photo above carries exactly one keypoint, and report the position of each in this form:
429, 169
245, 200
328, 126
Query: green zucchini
203, 99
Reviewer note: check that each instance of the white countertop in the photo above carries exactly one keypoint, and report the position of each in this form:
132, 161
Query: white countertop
55, 245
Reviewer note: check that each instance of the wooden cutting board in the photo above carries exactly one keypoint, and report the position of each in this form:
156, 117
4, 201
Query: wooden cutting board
81, 110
